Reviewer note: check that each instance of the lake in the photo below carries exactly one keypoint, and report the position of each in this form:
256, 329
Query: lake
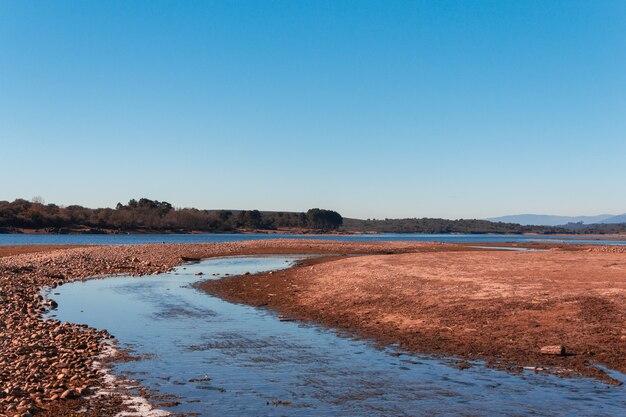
96, 239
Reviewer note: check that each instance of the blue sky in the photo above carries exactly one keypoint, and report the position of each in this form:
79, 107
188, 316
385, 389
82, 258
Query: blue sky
376, 109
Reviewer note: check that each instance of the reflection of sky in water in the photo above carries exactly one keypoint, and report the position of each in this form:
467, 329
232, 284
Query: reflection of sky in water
253, 359
35, 239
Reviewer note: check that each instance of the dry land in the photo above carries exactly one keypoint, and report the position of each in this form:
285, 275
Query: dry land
498, 306
431, 298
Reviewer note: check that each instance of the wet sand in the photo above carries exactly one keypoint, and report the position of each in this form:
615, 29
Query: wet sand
432, 298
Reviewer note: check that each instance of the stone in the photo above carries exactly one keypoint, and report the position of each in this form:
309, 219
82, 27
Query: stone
68, 394
557, 350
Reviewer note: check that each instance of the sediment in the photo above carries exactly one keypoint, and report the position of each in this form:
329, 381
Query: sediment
500, 307
47, 367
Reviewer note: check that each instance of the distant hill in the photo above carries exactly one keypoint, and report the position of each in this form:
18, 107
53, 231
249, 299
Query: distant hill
436, 225
615, 219
550, 220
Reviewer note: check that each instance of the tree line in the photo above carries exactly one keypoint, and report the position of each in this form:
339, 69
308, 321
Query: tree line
145, 215
158, 216
470, 226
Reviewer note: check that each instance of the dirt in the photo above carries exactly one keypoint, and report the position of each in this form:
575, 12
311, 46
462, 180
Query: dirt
495, 306
21, 249
43, 360
433, 298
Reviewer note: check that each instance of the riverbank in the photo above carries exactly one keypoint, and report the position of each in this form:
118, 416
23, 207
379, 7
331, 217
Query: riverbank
288, 231
501, 307
96, 231
10, 250
48, 368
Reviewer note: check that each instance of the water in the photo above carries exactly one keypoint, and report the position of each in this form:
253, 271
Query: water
234, 360
25, 239
509, 248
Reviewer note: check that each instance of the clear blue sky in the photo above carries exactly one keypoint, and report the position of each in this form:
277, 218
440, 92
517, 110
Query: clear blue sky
376, 109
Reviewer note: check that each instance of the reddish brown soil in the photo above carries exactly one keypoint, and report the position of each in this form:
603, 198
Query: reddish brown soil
497, 306
43, 360
433, 298
20, 249
102, 406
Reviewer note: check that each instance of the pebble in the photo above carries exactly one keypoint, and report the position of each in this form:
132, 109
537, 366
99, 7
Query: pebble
43, 360
557, 350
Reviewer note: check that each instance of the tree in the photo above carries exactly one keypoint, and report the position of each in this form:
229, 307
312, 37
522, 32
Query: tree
250, 218
321, 219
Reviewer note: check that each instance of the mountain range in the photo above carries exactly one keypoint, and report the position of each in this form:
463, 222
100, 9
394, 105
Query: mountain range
551, 220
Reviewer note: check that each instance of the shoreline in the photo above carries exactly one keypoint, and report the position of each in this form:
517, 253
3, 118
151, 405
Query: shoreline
304, 232
79, 231
32, 344
47, 367
502, 323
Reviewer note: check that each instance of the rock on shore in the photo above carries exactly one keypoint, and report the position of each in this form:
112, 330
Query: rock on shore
44, 362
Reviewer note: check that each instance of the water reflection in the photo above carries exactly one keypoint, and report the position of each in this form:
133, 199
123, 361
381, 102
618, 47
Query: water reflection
226, 359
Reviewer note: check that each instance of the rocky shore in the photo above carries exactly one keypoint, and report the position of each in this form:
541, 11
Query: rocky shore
50, 369
47, 367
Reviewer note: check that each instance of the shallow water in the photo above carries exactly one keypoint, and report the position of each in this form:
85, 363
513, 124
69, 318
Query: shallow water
25, 239
233, 360
508, 248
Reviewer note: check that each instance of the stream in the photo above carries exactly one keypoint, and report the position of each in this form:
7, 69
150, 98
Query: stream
216, 358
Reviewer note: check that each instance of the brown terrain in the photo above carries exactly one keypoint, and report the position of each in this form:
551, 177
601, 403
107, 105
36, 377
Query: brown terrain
49, 368
431, 298
498, 306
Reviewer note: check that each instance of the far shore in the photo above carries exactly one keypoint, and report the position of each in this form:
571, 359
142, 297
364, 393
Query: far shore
298, 231
87, 231
442, 299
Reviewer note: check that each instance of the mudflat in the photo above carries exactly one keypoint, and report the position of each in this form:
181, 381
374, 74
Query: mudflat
498, 306
446, 299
